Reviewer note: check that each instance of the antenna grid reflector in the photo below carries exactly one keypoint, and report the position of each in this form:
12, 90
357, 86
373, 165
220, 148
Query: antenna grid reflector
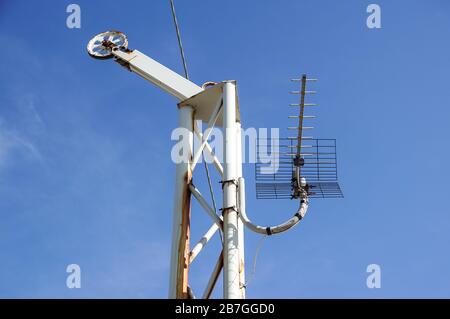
275, 169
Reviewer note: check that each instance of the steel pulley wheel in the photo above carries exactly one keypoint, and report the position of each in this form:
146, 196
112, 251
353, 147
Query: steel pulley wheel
101, 46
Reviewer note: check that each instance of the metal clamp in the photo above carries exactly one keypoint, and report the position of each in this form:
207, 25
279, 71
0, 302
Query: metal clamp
229, 208
234, 181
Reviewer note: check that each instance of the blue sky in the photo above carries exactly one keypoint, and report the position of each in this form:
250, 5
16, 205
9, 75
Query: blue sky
85, 169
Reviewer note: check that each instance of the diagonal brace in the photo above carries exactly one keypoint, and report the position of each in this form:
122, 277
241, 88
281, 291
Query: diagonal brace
212, 121
196, 193
208, 148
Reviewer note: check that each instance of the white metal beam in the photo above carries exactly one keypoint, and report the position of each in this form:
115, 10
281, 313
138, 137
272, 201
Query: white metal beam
158, 74
241, 226
181, 213
230, 205
202, 242
213, 278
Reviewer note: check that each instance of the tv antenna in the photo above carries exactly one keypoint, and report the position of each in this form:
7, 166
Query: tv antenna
217, 105
306, 167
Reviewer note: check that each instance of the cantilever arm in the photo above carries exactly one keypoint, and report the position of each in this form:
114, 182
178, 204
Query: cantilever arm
298, 216
156, 73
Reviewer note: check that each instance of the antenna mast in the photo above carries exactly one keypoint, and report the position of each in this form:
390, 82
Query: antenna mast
217, 105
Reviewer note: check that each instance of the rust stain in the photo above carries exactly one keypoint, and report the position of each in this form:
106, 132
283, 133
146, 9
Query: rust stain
184, 249
241, 268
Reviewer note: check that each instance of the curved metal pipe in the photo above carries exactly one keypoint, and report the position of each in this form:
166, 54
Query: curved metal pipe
298, 216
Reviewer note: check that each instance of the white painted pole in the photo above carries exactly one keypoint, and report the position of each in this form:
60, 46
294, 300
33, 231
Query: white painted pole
231, 237
180, 253
241, 226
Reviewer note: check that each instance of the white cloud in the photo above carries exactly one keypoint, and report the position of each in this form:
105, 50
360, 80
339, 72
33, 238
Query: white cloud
12, 143
19, 128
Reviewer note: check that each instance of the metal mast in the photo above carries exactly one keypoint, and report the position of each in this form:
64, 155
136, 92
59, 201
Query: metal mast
217, 105
230, 206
